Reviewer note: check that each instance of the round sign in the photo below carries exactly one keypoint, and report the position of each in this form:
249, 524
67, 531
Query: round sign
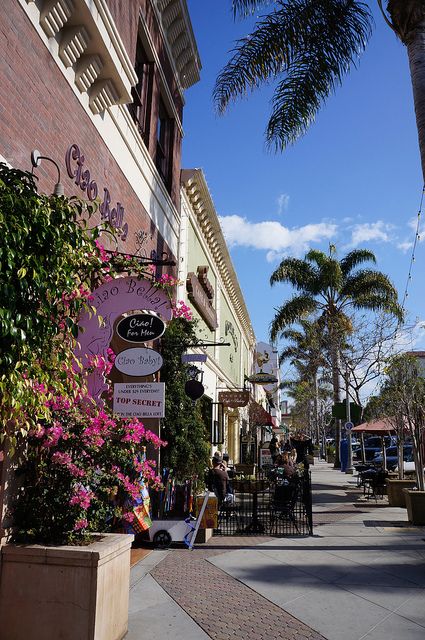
140, 327
139, 361
349, 425
194, 389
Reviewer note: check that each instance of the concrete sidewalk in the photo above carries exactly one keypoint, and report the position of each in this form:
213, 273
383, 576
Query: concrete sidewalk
360, 576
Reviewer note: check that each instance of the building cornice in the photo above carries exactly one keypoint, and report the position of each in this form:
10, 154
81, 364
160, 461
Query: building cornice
173, 18
87, 42
198, 194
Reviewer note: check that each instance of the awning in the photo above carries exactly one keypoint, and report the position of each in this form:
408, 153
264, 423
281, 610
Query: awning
379, 427
259, 417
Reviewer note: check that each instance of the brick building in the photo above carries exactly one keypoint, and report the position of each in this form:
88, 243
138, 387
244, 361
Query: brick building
98, 86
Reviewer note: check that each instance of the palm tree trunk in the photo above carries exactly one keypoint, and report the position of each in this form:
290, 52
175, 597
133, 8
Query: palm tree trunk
416, 53
316, 409
336, 383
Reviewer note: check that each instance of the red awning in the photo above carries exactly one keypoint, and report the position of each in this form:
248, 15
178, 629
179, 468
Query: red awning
380, 427
259, 417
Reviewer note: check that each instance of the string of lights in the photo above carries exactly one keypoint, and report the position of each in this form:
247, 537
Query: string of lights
413, 254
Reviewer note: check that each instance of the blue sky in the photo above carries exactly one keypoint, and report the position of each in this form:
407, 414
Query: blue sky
353, 180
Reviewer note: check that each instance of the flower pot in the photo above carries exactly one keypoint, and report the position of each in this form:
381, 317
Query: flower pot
395, 493
415, 503
66, 592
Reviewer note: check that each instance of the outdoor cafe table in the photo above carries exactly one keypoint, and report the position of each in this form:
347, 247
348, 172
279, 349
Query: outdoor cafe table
253, 487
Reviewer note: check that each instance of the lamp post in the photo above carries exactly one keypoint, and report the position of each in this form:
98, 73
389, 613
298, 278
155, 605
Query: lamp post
348, 424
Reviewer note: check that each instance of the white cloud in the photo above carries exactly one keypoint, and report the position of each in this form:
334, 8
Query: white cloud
273, 237
371, 231
282, 203
413, 223
405, 246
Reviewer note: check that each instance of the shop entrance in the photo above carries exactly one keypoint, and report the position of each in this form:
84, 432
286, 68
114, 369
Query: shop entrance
261, 506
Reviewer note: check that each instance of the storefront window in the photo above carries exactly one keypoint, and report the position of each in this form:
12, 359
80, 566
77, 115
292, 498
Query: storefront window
140, 109
164, 145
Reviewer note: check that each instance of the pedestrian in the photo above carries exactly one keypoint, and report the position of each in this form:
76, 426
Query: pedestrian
219, 480
273, 447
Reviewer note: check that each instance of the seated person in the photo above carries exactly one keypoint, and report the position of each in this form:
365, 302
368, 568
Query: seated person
219, 479
284, 467
288, 465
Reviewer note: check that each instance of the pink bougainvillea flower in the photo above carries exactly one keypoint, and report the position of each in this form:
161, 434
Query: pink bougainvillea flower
81, 524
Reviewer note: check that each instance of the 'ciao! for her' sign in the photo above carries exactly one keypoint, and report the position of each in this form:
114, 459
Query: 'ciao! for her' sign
110, 301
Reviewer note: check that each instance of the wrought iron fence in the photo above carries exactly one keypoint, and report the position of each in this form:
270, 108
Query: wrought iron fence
264, 506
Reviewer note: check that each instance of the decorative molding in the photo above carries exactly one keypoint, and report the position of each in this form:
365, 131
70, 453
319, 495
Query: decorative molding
74, 42
103, 94
54, 15
174, 20
117, 129
199, 197
75, 27
87, 71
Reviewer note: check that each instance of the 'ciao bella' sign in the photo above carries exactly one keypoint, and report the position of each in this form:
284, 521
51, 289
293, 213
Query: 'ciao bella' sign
74, 162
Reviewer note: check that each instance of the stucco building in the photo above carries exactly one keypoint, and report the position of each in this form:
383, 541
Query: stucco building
210, 286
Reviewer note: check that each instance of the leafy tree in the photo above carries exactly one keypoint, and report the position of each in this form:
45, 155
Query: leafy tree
49, 262
307, 47
329, 288
402, 402
183, 428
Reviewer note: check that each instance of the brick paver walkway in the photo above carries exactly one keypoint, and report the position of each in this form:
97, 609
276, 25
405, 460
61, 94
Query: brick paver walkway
225, 608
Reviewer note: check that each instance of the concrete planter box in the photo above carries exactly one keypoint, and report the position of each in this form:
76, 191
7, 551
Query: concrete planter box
415, 503
67, 592
395, 493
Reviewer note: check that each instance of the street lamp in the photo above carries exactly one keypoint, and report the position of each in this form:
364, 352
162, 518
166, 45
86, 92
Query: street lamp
36, 159
348, 424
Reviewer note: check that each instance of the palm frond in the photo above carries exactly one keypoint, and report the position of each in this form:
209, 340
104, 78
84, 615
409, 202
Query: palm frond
379, 302
355, 258
368, 282
301, 275
292, 311
338, 33
245, 8
259, 57
289, 353
292, 335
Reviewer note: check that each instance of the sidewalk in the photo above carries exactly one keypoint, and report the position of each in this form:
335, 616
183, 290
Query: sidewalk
360, 576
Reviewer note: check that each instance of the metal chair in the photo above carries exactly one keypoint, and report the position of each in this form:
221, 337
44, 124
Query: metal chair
282, 505
374, 485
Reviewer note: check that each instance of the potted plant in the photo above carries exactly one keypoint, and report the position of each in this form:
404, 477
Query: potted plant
74, 470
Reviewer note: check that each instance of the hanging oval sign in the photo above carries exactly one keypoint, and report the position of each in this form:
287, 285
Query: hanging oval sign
139, 361
140, 327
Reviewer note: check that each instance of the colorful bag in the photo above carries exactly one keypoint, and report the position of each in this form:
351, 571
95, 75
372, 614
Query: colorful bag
142, 520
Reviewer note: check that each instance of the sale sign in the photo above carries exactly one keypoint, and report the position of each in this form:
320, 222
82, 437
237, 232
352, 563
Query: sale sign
139, 399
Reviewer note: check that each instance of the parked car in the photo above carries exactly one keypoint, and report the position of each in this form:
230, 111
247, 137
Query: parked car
373, 446
392, 459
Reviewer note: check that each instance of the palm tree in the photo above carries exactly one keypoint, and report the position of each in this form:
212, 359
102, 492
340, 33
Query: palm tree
308, 46
329, 288
305, 352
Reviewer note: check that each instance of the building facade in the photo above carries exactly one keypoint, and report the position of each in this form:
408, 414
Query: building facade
98, 87
210, 286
